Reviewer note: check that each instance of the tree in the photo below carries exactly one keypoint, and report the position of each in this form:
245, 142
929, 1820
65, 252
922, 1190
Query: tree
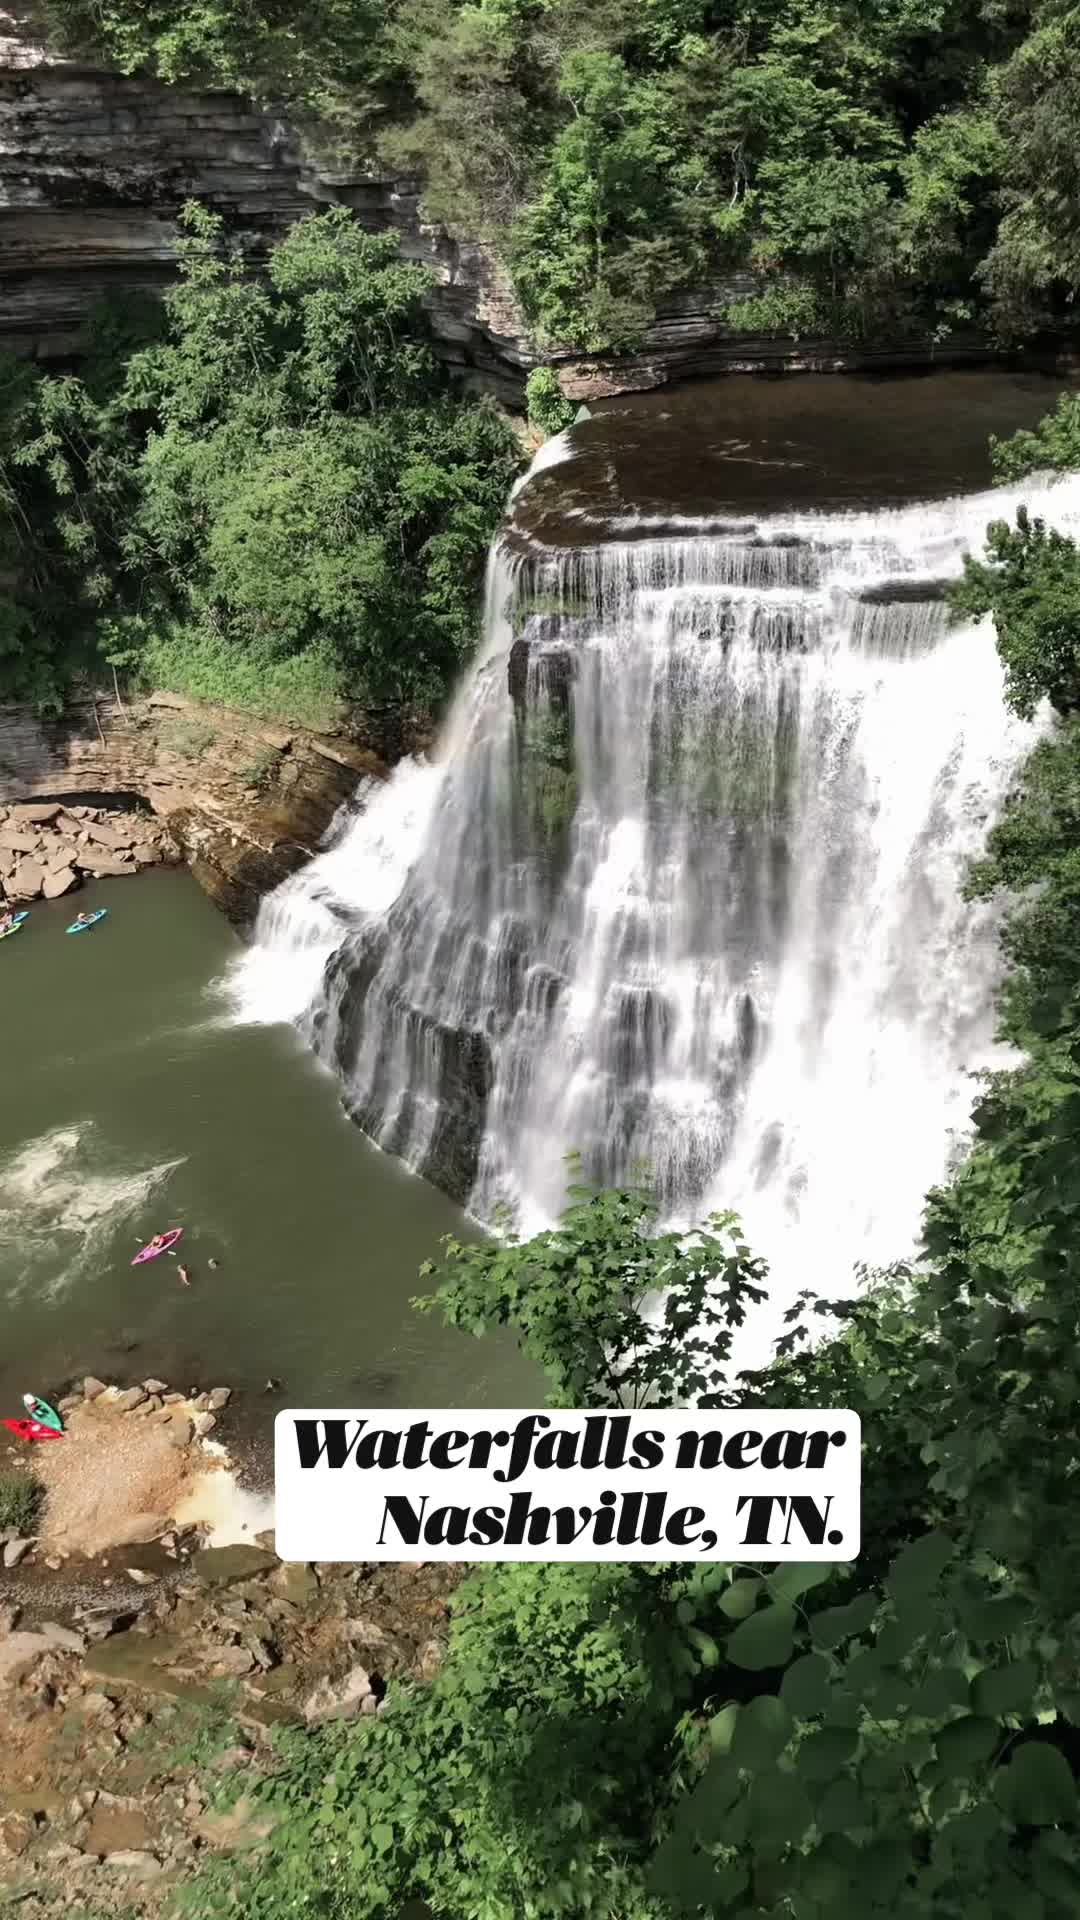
280, 501
1031, 586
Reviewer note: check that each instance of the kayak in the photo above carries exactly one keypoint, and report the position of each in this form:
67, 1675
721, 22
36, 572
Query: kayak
84, 926
31, 1430
19, 918
41, 1413
151, 1253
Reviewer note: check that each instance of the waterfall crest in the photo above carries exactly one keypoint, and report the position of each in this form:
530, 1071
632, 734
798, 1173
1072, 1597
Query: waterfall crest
682, 890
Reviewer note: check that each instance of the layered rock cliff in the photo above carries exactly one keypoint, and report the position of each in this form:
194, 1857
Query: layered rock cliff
94, 167
247, 803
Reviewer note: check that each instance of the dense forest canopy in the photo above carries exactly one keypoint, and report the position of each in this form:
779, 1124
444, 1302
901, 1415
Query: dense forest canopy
879, 166
264, 492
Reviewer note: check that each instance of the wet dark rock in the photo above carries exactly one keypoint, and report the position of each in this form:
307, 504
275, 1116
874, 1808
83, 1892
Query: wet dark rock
224, 1566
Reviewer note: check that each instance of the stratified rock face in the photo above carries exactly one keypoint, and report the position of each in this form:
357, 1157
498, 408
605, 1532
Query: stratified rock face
95, 166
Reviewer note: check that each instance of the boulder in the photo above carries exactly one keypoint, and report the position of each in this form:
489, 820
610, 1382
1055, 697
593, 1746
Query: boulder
16, 1551
136, 1861
17, 1831
147, 854
101, 864
241, 1827
108, 836
133, 1397
26, 881
58, 881
224, 1566
338, 1700
16, 842
219, 1397
37, 814
204, 1423
92, 1387
295, 1583
141, 1528
234, 1660
18, 1654
179, 1430
156, 1386
115, 1829
62, 1637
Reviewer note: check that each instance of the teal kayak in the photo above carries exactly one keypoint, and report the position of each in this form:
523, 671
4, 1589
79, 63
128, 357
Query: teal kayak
8, 931
83, 926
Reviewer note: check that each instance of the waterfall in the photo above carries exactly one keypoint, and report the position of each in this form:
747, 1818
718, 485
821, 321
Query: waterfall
682, 890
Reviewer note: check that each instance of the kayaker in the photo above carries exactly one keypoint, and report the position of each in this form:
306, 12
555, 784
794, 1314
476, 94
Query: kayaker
157, 1242
7, 921
81, 919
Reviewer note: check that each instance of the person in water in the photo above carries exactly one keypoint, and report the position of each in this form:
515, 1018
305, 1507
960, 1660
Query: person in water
183, 1276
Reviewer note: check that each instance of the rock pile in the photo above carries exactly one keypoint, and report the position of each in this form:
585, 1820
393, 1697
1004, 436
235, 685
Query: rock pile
122, 1730
47, 850
131, 1471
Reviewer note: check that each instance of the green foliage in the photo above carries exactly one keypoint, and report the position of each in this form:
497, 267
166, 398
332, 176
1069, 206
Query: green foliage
1034, 262
278, 504
179, 733
905, 165
21, 1497
259, 774
793, 310
1031, 586
1055, 444
549, 409
578, 1295
550, 775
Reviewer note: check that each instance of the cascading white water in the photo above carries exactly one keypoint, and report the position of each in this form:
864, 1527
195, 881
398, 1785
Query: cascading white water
683, 890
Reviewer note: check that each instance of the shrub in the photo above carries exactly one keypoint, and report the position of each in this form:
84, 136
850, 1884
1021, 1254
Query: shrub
21, 1497
549, 409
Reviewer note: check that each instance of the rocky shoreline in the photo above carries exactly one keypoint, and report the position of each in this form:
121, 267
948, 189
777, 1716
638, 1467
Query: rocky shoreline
48, 849
140, 1684
244, 803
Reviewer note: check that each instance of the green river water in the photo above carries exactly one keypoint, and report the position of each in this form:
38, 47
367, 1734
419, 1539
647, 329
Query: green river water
131, 1105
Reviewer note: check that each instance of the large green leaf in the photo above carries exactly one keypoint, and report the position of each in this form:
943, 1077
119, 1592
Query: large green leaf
805, 1688
835, 1624
919, 1567
964, 1746
1037, 1788
762, 1731
1008, 1689
825, 1753
740, 1599
764, 1640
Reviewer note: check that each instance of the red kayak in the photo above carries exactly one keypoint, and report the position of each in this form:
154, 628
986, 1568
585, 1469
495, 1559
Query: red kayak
31, 1430
150, 1252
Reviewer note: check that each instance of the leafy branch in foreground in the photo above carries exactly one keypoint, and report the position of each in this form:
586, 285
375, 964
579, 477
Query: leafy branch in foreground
615, 1312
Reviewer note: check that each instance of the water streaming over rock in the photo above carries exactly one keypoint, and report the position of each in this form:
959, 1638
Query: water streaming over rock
683, 890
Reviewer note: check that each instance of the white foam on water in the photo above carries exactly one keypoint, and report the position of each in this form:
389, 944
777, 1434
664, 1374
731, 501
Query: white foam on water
232, 1514
60, 1206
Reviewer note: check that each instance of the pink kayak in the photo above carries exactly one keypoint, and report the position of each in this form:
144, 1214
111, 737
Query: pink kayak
151, 1252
